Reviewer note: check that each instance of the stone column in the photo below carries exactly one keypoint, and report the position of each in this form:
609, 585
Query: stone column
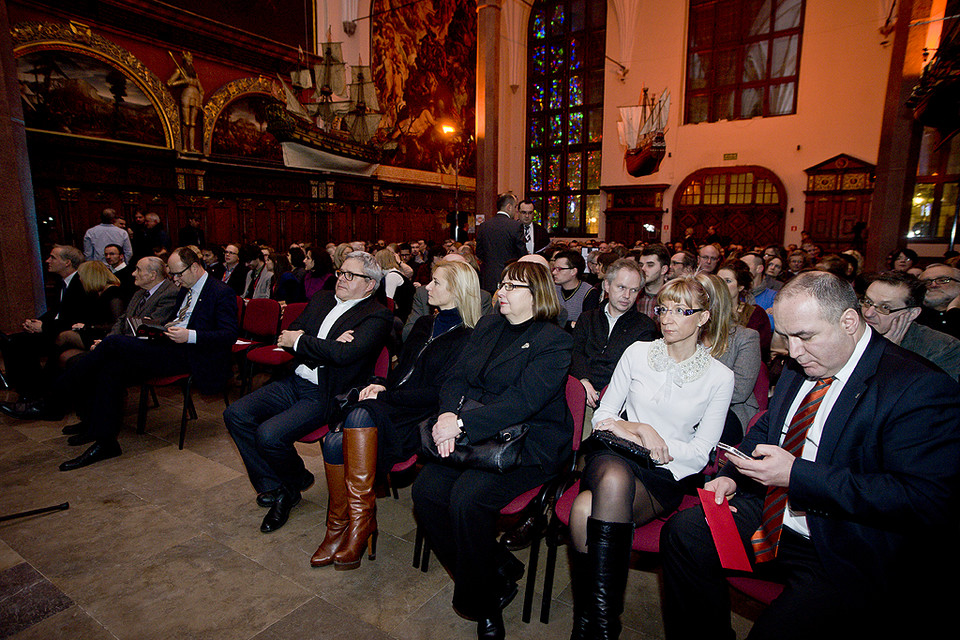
899, 147
488, 104
21, 274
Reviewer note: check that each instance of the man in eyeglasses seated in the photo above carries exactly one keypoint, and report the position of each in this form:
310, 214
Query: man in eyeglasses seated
891, 306
941, 304
335, 342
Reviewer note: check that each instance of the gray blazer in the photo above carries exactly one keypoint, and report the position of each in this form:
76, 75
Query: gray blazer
743, 358
159, 308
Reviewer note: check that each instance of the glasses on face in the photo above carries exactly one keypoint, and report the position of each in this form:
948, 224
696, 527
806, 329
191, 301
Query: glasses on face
677, 311
350, 275
178, 274
510, 286
555, 269
940, 282
709, 258
232, 253
883, 308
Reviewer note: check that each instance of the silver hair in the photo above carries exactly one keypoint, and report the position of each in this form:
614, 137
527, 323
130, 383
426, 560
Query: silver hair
70, 253
370, 267
154, 265
623, 263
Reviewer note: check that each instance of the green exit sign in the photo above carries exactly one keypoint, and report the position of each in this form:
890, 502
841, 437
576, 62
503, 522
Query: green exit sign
729, 156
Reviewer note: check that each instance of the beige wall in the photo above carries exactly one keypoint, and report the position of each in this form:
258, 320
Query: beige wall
843, 69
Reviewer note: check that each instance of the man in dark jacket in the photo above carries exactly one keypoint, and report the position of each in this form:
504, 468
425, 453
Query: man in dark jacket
499, 242
335, 341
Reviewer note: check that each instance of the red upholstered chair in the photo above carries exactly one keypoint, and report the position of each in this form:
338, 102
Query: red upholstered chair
380, 369
541, 496
400, 467
260, 325
185, 381
763, 591
761, 390
271, 355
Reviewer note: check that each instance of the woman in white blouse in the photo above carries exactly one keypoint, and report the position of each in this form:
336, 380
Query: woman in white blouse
671, 397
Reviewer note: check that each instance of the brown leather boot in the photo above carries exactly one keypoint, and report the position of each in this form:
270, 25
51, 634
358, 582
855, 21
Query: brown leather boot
337, 517
360, 456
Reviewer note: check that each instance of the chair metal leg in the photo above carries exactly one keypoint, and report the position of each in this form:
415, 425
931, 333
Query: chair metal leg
156, 400
188, 410
142, 410
417, 548
531, 579
548, 574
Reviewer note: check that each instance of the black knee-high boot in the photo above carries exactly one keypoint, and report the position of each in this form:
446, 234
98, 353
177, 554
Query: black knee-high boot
582, 588
608, 551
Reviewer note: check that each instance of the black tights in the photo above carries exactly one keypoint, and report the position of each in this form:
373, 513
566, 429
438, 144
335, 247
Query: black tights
332, 445
610, 491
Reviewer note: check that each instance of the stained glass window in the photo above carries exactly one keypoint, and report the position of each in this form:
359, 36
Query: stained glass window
565, 76
743, 59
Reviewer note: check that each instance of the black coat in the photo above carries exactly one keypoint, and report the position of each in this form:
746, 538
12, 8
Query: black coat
499, 242
523, 383
595, 355
412, 391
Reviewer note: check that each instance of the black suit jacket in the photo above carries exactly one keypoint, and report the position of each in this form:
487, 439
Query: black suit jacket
596, 350
884, 485
345, 364
523, 383
499, 242
541, 239
237, 280
73, 308
214, 318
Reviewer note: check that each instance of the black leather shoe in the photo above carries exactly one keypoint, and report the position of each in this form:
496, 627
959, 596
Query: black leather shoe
74, 429
508, 593
508, 566
97, 452
491, 628
23, 409
268, 498
78, 439
280, 511
520, 536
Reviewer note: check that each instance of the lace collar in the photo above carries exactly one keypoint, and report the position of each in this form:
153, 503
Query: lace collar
677, 373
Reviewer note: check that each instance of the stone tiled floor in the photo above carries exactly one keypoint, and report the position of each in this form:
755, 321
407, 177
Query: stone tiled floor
161, 543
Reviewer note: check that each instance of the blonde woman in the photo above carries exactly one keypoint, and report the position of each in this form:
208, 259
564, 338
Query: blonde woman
105, 306
382, 429
675, 397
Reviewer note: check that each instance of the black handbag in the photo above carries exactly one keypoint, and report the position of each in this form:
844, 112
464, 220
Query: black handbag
499, 454
601, 440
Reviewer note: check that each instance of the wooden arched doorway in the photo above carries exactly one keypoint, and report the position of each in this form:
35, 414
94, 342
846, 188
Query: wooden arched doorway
744, 205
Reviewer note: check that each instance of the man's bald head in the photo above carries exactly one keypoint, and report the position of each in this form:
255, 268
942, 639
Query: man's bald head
536, 258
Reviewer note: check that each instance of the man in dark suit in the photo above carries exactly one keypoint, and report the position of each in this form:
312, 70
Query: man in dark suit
154, 301
197, 341
234, 273
336, 342
848, 493
22, 351
499, 242
535, 237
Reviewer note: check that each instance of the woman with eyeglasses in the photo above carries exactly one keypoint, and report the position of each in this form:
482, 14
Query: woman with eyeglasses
383, 428
512, 371
671, 397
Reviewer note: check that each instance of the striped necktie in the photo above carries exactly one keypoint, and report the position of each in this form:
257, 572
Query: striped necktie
184, 308
766, 539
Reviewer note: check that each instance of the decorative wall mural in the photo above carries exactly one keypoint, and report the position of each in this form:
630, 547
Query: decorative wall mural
70, 92
424, 60
241, 130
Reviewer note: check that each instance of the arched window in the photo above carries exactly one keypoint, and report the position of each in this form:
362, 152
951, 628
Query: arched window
743, 204
566, 48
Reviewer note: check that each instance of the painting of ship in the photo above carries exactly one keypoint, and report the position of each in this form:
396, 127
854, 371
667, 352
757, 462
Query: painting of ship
328, 124
641, 129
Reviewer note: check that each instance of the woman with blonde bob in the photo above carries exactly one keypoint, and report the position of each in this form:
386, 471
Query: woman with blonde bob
512, 371
382, 429
106, 305
674, 396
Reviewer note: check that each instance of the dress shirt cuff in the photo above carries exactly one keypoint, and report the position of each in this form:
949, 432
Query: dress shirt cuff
191, 336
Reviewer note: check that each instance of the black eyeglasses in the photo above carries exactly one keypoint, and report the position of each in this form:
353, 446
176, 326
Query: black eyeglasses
350, 275
177, 274
883, 308
510, 286
941, 281
663, 311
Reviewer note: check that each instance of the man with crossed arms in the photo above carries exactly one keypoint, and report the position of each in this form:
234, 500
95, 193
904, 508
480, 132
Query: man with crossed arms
850, 495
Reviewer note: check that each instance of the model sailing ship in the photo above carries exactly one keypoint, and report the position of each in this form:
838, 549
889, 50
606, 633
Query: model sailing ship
641, 130
331, 127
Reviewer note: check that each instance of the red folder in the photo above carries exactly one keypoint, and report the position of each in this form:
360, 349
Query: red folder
724, 532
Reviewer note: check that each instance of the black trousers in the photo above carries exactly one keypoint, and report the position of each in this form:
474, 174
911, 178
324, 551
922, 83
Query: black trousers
22, 353
457, 510
266, 424
97, 382
812, 605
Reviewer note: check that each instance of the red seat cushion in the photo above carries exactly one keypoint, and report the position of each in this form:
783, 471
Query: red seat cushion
520, 503
268, 355
403, 466
167, 380
761, 590
316, 436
